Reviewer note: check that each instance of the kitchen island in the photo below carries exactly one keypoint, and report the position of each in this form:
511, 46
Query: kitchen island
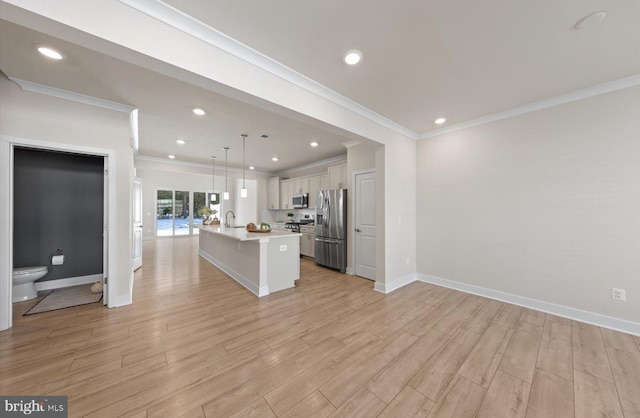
262, 262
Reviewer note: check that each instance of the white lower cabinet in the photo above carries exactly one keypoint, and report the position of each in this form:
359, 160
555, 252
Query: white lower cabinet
308, 241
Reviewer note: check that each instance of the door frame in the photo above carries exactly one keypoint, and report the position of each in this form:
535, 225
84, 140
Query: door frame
353, 215
7, 146
136, 224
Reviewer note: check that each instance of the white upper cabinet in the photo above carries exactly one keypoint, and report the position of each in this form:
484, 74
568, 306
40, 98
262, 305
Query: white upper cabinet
338, 176
301, 185
286, 192
273, 193
345, 176
317, 183
324, 182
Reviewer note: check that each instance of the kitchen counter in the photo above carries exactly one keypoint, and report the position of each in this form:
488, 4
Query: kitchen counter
261, 262
241, 234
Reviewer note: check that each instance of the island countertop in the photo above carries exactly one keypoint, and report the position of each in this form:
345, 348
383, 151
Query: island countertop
241, 234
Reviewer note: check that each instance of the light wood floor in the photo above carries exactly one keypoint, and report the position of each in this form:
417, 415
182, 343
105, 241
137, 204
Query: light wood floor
194, 343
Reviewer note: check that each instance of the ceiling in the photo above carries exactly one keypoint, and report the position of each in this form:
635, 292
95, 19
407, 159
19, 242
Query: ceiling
457, 59
165, 107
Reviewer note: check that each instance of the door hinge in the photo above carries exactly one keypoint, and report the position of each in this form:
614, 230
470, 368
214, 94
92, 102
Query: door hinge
105, 280
106, 172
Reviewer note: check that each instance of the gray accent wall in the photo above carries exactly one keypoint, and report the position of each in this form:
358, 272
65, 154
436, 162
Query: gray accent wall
58, 203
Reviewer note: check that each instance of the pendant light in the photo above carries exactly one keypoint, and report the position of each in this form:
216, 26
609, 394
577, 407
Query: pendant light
225, 195
243, 191
214, 195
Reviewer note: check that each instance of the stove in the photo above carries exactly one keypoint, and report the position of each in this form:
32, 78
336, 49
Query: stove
295, 226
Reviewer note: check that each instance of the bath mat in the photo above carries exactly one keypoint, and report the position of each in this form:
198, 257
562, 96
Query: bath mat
66, 297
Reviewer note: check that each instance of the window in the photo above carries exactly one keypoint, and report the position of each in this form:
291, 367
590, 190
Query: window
164, 213
175, 216
181, 214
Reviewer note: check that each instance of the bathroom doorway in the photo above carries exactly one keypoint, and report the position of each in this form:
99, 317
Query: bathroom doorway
58, 203
109, 223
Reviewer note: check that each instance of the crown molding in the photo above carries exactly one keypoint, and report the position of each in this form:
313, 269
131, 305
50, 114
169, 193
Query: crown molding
352, 143
339, 158
183, 22
196, 165
542, 104
73, 96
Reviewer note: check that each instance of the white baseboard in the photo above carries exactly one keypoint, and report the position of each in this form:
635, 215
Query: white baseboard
70, 281
559, 310
394, 285
350, 271
245, 282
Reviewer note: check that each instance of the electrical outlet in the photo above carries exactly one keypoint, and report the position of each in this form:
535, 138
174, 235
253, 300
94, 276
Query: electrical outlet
618, 294
283, 248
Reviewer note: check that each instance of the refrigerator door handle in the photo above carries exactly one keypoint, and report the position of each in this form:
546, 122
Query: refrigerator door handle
325, 212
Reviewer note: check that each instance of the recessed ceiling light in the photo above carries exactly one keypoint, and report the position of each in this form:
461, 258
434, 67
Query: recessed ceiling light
251, 167
352, 57
171, 156
589, 19
440, 121
274, 159
313, 144
181, 141
199, 111
51, 53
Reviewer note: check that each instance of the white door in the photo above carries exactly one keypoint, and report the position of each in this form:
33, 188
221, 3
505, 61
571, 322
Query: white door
137, 223
365, 225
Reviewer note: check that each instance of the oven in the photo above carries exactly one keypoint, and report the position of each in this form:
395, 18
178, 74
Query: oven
292, 227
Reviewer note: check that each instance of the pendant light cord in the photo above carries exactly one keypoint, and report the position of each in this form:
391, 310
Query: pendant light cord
244, 137
213, 175
226, 150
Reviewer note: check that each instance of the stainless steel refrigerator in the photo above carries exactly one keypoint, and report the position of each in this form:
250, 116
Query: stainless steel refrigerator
331, 229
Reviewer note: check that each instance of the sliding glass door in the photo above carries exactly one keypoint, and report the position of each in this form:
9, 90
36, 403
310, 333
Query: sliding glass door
181, 214
177, 216
164, 213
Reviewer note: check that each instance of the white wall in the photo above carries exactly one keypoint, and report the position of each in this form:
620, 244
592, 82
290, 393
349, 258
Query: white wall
171, 176
399, 194
246, 208
42, 118
544, 205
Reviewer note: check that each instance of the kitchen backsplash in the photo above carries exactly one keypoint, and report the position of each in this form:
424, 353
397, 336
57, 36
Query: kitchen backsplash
280, 215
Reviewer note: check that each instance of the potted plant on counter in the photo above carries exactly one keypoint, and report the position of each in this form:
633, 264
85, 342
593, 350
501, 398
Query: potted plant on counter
290, 217
208, 217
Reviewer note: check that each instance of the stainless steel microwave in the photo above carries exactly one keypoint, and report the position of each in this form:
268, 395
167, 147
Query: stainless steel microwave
300, 201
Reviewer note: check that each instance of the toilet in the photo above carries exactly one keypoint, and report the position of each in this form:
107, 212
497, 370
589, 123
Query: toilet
23, 279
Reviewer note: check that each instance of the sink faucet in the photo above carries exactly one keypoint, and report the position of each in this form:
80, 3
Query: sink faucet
226, 218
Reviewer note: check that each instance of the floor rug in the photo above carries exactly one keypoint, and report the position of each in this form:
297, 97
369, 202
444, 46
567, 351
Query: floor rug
66, 298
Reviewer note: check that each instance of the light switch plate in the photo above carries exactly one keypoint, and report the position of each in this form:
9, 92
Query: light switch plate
283, 248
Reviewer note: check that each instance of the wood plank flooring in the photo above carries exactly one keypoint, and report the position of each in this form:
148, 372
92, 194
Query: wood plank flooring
196, 344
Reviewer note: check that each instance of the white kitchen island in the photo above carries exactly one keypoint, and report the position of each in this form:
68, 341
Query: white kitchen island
262, 262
